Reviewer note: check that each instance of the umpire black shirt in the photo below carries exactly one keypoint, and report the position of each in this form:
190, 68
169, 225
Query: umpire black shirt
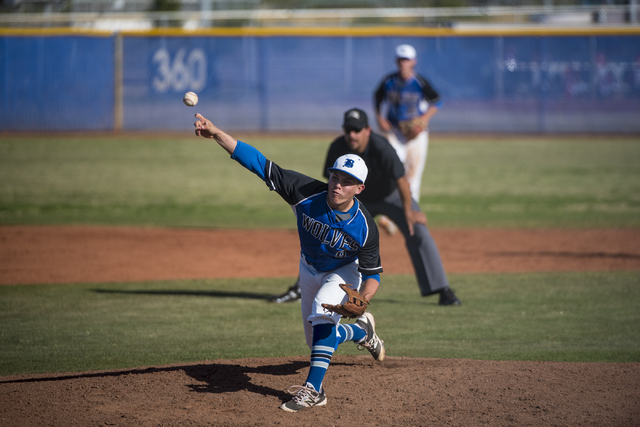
385, 168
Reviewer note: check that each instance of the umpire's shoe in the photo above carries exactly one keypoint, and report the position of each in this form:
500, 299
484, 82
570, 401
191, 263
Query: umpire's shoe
371, 341
447, 297
292, 294
305, 397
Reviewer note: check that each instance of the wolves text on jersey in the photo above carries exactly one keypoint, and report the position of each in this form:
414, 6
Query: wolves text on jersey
396, 97
321, 231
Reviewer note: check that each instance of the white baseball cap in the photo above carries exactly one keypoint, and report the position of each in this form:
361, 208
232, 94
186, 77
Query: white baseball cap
405, 51
353, 165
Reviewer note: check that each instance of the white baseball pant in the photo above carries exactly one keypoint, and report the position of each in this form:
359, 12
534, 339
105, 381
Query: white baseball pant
413, 155
319, 287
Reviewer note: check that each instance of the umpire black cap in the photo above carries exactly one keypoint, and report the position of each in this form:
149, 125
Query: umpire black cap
356, 118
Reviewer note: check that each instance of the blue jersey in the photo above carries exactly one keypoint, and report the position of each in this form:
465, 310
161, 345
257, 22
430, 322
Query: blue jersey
328, 239
405, 99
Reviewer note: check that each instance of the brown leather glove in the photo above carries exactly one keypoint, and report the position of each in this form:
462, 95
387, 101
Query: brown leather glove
355, 306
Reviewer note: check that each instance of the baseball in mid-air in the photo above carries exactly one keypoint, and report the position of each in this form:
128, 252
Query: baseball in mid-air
190, 99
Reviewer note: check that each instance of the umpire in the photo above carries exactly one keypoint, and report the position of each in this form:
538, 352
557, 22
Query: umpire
388, 193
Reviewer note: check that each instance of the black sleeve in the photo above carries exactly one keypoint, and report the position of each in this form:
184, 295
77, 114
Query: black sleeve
388, 157
430, 94
396, 166
292, 186
369, 256
379, 95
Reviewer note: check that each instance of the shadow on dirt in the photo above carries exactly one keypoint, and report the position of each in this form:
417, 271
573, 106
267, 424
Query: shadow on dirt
246, 295
213, 294
230, 378
213, 378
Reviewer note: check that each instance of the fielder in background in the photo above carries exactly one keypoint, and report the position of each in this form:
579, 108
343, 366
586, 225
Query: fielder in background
410, 103
388, 193
339, 244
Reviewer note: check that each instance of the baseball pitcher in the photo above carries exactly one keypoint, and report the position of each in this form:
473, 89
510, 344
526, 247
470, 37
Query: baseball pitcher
339, 255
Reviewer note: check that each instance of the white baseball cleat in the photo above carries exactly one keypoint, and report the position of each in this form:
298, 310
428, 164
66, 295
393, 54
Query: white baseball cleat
305, 397
371, 341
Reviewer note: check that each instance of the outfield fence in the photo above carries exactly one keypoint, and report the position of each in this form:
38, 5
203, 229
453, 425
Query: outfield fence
303, 79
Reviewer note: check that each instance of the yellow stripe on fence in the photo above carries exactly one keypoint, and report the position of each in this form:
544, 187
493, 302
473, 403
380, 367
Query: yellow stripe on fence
331, 32
384, 31
62, 31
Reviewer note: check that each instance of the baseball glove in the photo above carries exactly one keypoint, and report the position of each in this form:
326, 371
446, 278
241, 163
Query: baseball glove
355, 306
407, 126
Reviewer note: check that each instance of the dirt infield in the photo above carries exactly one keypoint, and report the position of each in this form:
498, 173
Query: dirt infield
247, 392
119, 254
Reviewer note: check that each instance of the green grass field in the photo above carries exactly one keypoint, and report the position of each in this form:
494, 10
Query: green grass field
189, 182
560, 317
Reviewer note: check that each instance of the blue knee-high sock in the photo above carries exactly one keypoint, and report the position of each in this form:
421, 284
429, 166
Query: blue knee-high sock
350, 332
322, 348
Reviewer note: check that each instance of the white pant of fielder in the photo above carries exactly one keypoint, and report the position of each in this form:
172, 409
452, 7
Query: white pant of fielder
413, 155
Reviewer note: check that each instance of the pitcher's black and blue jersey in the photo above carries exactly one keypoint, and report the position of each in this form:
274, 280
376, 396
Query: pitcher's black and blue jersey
328, 239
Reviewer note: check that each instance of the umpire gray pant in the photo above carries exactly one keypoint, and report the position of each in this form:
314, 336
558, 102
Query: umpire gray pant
421, 246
